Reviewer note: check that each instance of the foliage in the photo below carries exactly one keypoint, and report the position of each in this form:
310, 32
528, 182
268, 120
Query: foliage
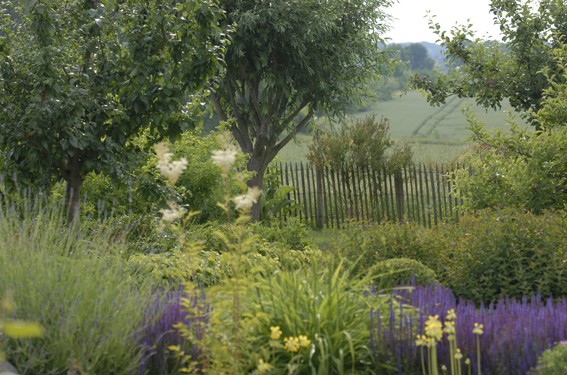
364, 144
398, 271
276, 200
366, 245
79, 80
160, 334
519, 169
290, 58
515, 70
291, 233
76, 287
327, 306
483, 257
553, 361
507, 254
516, 332
199, 188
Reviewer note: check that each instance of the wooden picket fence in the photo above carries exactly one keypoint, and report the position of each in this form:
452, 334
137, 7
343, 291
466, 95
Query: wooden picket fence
331, 198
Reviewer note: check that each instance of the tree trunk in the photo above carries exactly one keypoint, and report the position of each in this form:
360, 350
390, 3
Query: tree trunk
258, 166
74, 181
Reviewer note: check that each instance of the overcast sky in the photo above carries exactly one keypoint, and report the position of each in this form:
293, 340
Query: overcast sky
410, 21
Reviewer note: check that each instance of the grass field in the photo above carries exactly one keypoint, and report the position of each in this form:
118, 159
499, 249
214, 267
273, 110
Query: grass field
437, 134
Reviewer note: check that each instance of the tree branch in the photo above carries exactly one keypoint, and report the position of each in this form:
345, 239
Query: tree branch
294, 131
218, 107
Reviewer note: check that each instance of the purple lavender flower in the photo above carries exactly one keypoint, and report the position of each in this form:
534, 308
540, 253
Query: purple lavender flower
160, 333
515, 332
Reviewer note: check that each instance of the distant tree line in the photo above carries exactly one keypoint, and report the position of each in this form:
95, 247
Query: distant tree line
411, 59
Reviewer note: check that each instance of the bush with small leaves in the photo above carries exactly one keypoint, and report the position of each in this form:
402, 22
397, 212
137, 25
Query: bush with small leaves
398, 271
553, 361
508, 254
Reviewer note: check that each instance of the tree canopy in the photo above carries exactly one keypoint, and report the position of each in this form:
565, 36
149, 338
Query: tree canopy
515, 69
289, 58
80, 78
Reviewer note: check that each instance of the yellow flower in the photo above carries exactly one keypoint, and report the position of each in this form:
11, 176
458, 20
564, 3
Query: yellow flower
291, 344
304, 342
434, 328
263, 367
421, 341
478, 329
275, 333
449, 329
458, 355
451, 315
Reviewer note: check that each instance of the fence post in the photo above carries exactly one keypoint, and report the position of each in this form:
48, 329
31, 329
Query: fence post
399, 188
319, 220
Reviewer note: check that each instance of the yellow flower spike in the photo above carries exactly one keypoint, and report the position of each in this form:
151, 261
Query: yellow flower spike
421, 341
291, 344
263, 367
304, 342
478, 329
275, 333
451, 315
458, 355
449, 328
434, 328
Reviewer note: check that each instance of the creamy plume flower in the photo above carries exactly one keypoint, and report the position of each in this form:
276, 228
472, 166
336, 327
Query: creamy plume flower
225, 158
171, 170
245, 201
172, 213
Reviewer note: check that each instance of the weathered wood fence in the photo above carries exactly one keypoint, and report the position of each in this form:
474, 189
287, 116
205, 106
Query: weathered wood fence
331, 198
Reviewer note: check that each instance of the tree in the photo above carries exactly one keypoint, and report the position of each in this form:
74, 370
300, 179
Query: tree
521, 169
287, 59
415, 55
491, 72
80, 78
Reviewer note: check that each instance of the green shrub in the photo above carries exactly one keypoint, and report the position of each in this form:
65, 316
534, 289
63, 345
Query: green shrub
507, 253
76, 287
553, 361
365, 245
398, 271
515, 169
174, 267
291, 233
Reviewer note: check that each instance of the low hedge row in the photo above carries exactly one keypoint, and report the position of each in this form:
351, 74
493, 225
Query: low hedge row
482, 258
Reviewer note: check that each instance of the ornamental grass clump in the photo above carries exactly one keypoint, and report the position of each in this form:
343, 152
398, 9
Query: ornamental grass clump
514, 333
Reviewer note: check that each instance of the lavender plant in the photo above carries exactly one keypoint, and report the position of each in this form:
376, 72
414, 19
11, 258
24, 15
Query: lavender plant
516, 332
160, 334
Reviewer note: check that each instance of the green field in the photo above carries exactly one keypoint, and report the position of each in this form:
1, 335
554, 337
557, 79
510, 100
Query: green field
436, 134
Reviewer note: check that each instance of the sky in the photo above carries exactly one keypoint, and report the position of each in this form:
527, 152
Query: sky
410, 21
